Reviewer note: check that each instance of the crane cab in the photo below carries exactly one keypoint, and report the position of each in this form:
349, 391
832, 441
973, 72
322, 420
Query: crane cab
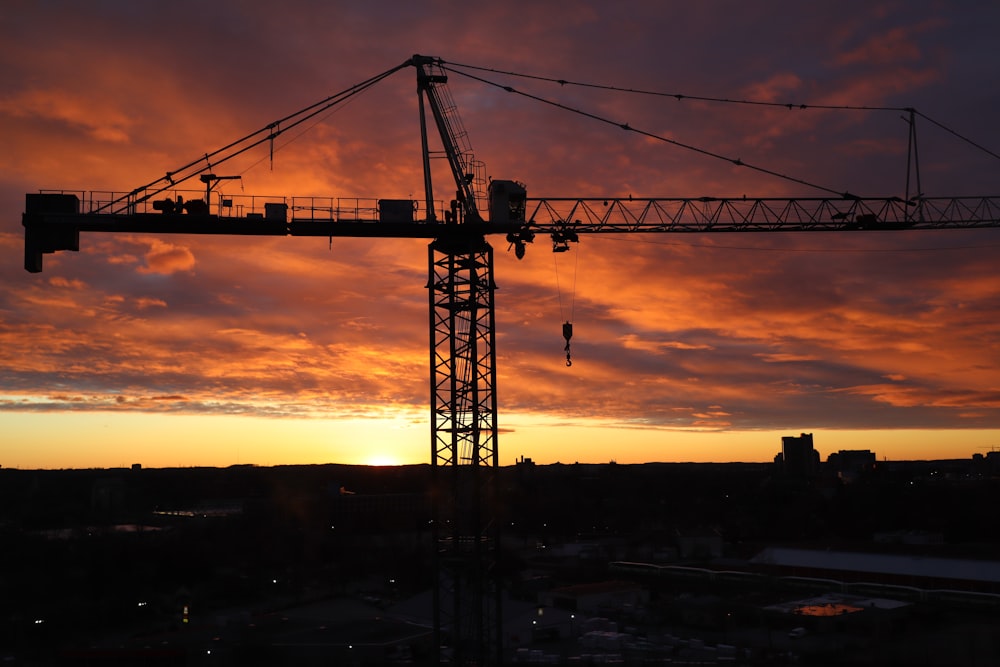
508, 200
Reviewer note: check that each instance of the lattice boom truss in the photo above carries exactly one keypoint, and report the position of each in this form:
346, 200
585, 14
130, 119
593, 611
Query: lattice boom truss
611, 215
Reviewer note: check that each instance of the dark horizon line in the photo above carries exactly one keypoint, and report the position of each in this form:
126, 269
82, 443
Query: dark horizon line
139, 466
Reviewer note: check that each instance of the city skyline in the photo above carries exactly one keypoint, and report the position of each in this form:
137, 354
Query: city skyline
176, 350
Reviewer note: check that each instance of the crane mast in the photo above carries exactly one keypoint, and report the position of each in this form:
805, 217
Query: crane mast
464, 453
461, 290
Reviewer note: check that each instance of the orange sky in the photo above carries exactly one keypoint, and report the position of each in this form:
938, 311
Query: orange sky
178, 350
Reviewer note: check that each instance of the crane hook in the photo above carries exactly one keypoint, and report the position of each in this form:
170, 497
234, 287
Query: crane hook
567, 334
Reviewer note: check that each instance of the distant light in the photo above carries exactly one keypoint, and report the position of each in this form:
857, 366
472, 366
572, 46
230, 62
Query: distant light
208, 652
274, 581
39, 621
141, 604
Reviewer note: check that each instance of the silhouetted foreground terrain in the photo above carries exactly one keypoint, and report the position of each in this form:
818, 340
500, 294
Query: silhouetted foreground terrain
234, 565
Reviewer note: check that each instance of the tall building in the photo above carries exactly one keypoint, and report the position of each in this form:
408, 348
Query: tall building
797, 455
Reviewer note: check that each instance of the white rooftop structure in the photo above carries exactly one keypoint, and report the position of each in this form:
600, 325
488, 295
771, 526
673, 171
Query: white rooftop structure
925, 567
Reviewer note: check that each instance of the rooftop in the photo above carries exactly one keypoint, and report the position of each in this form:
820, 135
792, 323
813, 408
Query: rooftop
894, 564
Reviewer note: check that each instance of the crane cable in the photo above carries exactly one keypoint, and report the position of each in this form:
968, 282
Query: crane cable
681, 96
735, 161
567, 327
628, 128
246, 143
800, 106
331, 110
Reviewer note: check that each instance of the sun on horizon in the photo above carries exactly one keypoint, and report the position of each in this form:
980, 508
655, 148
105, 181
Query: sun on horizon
381, 459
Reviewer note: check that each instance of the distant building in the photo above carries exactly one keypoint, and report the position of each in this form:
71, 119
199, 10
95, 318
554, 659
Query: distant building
107, 496
379, 512
993, 460
525, 468
882, 569
797, 455
908, 537
597, 598
851, 464
699, 544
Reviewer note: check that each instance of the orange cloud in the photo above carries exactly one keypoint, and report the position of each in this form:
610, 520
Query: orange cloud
145, 302
60, 281
911, 396
899, 44
775, 88
166, 258
103, 124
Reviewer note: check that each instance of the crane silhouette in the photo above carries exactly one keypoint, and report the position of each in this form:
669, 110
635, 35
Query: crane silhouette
461, 287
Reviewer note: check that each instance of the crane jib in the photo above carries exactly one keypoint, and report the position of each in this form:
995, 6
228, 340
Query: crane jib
54, 221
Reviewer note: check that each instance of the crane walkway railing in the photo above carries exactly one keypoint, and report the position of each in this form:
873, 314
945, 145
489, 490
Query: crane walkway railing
233, 206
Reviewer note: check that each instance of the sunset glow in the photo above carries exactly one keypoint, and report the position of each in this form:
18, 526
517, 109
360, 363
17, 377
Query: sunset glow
180, 350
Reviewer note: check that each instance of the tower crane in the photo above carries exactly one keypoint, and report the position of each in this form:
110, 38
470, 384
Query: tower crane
461, 286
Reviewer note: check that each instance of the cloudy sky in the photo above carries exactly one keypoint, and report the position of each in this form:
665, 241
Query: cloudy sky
181, 350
